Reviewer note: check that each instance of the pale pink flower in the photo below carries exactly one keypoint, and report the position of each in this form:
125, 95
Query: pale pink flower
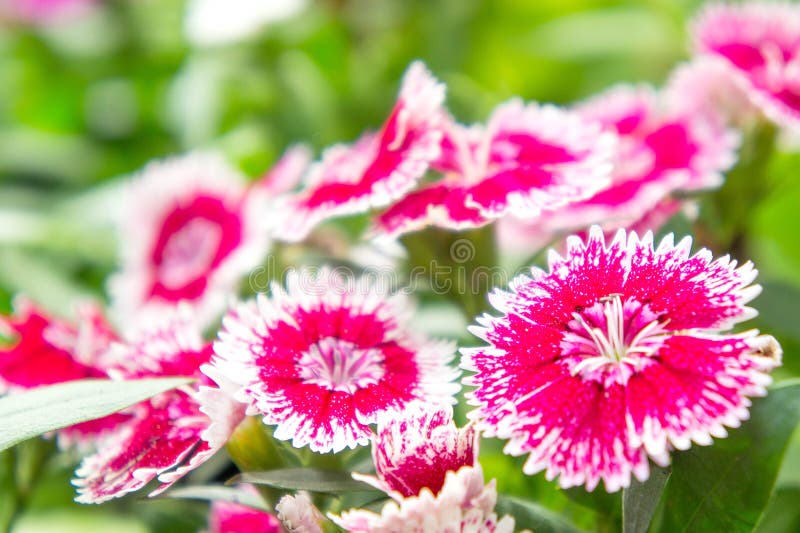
430, 469
46, 350
229, 517
379, 167
662, 149
617, 354
327, 356
527, 159
759, 42
297, 514
190, 231
463, 503
170, 434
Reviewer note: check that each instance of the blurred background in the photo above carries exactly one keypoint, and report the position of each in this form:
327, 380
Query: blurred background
91, 91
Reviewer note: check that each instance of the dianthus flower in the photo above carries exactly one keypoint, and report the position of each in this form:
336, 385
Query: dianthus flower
327, 356
617, 354
661, 150
759, 43
174, 432
528, 158
190, 230
45, 350
379, 167
230, 517
429, 467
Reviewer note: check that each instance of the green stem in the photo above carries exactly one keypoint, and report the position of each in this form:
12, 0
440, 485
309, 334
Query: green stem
731, 209
253, 449
461, 266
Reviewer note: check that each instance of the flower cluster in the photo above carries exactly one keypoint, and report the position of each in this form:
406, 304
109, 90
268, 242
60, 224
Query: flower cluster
619, 353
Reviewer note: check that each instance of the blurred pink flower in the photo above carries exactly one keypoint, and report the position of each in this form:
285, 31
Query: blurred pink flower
759, 42
527, 159
663, 148
298, 515
327, 356
45, 11
191, 229
379, 167
615, 355
170, 434
45, 350
228, 517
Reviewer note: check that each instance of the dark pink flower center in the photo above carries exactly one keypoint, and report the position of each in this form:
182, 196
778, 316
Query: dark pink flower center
193, 241
340, 365
612, 340
189, 253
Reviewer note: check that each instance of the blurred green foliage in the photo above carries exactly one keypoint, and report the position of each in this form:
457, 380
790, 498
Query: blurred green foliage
85, 103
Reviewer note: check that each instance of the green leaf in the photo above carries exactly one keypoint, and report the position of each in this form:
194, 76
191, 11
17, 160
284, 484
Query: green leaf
726, 487
218, 493
31, 413
528, 515
640, 500
311, 479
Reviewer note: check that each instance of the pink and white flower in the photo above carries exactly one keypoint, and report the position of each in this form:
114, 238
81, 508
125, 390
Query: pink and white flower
663, 149
172, 433
528, 159
229, 517
327, 356
760, 44
45, 350
464, 503
429, 467
415, 448
191, 230
298, 514
617, 354
379, 167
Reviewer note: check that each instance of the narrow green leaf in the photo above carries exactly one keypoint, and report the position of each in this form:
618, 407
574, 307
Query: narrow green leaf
640, 500
218, 493
726, 486
529, 515
31, 413
311, 479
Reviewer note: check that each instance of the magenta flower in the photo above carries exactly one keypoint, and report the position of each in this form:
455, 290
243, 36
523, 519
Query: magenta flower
46, 351
615, 355
414, 449
379, 167
328, 356
759, 42
228, 517
429, 467
527, 159
662, 149
172, 433
190, 230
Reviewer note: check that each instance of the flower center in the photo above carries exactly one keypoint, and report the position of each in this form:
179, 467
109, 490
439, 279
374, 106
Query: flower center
189, 253
340, 365
612, 340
